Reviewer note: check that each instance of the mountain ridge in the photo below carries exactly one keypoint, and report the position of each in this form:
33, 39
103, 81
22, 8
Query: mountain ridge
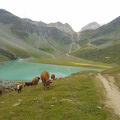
96, 44
32, 34
54, 39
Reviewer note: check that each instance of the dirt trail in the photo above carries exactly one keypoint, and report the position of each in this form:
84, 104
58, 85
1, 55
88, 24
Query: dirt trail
112, 93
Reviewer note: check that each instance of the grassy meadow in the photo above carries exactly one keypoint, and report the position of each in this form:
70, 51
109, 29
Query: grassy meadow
76, 97
72, 61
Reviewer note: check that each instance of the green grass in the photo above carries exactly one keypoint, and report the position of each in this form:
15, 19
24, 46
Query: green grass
25, 54
75, 97
100, 41
72, 62
46, 49
108, 55
18, 52
3, 58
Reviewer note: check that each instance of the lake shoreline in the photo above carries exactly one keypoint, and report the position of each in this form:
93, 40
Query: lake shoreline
77, 66
72, 64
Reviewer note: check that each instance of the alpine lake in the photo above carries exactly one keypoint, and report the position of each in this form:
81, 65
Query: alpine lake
20, 70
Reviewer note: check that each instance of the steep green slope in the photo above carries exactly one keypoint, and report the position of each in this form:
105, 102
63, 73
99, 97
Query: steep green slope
76, 97
109, 54
11, 45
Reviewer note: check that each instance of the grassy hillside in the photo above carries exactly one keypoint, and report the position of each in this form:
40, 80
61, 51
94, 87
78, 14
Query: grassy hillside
109, 54
76, 97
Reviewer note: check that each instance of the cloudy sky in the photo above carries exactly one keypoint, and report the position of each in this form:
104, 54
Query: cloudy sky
77, 13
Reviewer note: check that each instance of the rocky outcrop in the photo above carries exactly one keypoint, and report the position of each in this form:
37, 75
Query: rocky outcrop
91, 26
64, 27
7, 84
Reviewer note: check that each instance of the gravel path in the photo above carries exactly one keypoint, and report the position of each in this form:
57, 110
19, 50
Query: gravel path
112, 93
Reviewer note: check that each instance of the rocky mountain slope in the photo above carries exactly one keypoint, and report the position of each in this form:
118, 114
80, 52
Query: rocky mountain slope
23, 38
33, 37
102, 44
90, 26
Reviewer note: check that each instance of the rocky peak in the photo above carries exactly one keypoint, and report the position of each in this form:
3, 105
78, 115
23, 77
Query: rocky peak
64, 27
91, 26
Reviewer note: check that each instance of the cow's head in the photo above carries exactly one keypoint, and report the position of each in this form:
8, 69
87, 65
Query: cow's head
53, 76
48, 83
38, 78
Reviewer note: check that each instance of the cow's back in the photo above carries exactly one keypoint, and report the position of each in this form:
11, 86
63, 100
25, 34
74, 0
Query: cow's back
44, 75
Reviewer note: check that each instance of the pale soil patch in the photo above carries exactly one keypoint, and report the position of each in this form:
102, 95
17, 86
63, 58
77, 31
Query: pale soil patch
112, 92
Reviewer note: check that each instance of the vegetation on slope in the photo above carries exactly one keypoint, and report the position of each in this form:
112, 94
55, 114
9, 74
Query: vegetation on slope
18, 52
6, 55
108, 31
76, 97
46, 49
16, 32
109, 54
72, 61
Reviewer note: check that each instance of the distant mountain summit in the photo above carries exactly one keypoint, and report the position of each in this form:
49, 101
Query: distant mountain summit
64, 27
91, 26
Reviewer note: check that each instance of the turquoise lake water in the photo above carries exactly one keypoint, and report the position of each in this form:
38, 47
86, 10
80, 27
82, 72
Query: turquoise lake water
21, 70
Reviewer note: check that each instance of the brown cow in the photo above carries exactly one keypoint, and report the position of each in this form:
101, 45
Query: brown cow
45, 79
35, 80
53, 76
28, 83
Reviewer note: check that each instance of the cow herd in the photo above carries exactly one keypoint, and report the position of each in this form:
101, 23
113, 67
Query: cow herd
45, 81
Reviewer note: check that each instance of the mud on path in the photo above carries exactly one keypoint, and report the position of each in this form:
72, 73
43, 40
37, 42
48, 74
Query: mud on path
112, 93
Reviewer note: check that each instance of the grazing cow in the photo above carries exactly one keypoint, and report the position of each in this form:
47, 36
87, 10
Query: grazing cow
35, 80
45, 79
53, 76
28, 83
0, 92
19, 88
